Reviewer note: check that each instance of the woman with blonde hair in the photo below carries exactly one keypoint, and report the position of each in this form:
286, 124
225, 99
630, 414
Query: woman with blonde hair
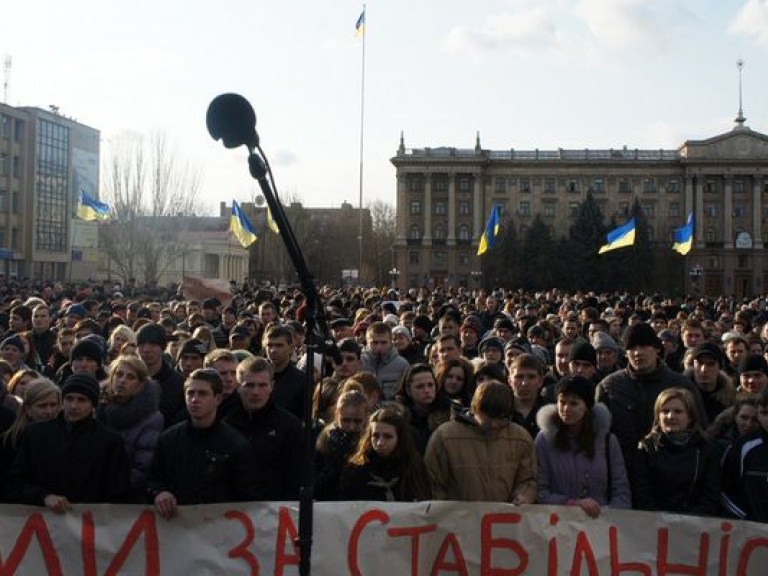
131, 409
42, 402
118, 338
677, 468
17, 385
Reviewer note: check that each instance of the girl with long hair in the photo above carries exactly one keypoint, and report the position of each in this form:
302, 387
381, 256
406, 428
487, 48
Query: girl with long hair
386, 465
426, 407
456, 380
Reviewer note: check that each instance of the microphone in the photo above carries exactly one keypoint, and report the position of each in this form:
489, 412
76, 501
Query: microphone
231, 119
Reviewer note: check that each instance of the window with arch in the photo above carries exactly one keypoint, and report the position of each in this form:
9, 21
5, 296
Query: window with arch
415, 232
439, 232
464, 233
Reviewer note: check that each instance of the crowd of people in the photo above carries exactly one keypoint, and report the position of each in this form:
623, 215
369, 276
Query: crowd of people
585, 400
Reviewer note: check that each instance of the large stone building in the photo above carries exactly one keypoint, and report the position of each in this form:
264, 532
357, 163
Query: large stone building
45, 160
444, 196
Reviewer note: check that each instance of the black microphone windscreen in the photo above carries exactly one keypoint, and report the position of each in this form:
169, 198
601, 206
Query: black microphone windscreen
231, 119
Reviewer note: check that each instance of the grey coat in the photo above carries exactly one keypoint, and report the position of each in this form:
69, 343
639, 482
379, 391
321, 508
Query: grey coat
571, 475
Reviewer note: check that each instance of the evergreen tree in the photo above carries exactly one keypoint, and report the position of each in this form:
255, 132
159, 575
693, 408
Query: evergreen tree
537, 260
587, 235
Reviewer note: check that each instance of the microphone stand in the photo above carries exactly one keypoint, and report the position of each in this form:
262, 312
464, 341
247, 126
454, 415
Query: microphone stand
317, 337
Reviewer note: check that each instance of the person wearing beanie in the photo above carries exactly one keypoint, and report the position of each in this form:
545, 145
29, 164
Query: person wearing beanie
191, 356
151, 340
608, 354
630, 393
580, 461
421, 331
491, 349
716, 388
401, 338
673, 349
582, 361
753, 374
469, 334
72, 458
13, 351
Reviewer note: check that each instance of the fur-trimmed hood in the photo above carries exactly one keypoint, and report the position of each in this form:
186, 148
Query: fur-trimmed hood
601, 420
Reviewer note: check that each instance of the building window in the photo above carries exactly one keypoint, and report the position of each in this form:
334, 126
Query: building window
738, 210
625, 186
709, 186
464, 233
649, 210
674, 210
5, 126
52, 190
439, 259
673, 186
3, 197
710, 235
440, 183
649, 185
415, 207
549, 210
710, 210
439, 232
415, 183
441, 208
413, 257
464, 208
3, 163
525, 184
598, 185
572, 185
573, 209
415, 232
14, 238
738, 186
464, 258
14, 202
2, 236
500, 185
16, 168
524, 208
464, 184
549, 185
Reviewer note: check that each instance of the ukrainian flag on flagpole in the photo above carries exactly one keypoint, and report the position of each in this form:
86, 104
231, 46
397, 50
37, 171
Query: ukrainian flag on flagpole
684, 237
88, 208
620, 237
271, 224
360, 25
241, 227
492, 227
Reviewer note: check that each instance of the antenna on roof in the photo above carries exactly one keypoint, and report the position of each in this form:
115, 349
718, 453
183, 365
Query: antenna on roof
740, 118
6, 78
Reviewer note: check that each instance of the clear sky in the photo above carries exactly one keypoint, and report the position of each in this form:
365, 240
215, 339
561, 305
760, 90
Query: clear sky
524, 73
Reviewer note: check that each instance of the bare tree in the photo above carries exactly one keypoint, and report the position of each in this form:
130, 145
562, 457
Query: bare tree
151, 192
379, 255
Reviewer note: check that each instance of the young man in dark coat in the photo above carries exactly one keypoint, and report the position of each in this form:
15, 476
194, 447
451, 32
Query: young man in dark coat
71, 459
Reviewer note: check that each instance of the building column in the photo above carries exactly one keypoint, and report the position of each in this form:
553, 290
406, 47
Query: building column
477, 209
401, 209
427, 238
451, 239
728, 213
698, 199
757, 214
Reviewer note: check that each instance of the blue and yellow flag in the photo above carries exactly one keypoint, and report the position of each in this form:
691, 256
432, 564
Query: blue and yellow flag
241, 227
88, 208
684, 237
360, 25
620, 237
492, 227
271, 224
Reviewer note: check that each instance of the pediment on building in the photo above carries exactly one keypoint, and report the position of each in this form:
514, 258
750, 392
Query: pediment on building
741, 143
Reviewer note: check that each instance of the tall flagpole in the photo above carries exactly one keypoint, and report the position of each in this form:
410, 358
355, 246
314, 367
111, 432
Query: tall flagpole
362, 131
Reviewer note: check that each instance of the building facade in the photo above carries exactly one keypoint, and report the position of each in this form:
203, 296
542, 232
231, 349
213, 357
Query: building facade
444, 196
46, 159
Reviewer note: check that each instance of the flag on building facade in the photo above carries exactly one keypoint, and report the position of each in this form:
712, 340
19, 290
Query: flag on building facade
492, 227
241, 227
620, 237
88, 208
684, 237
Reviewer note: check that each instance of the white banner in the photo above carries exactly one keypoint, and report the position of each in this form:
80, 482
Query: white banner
371, 539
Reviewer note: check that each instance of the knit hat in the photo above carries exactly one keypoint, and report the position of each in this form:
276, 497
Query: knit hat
491, 342
77, 310
83, 384
642, 334
403, 331
578, 386
423, 322
503, 323
753, 363
472, 322
709, 349
193, 346
239, 332
392, 320
13, 340
583, 351
87, 348
601, 340
152, 334
520, 344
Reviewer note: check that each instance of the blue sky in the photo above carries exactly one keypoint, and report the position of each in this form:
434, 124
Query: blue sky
525, 74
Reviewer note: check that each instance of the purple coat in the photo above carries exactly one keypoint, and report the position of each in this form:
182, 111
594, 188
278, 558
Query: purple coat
570, 475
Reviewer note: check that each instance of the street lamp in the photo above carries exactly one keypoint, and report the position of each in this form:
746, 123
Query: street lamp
477, 275
394, 274
696, 273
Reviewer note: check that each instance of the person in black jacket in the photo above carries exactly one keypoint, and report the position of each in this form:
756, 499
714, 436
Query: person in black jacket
72, 459
201, 460
676, 468
151, 340
275, 435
